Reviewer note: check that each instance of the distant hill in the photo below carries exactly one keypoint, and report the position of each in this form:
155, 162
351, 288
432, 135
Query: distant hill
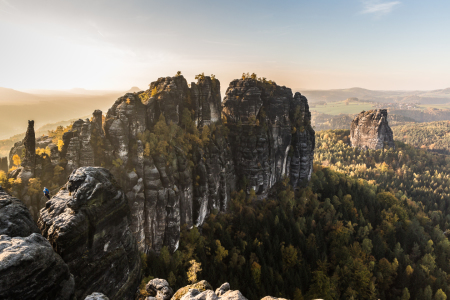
49, 107
419, 97
13, 96
134, 89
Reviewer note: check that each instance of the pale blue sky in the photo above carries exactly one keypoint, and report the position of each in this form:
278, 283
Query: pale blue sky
107, 44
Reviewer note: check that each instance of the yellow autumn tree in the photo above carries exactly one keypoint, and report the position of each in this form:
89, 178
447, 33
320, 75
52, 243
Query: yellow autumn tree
16, 160
193, 270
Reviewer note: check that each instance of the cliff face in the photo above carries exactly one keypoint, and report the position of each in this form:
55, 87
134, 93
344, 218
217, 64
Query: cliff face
370, 130
174, 158
29, 267
88, 224
4, 164
270, 133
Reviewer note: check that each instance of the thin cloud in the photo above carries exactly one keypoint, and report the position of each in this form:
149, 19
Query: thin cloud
378, 8
8, 4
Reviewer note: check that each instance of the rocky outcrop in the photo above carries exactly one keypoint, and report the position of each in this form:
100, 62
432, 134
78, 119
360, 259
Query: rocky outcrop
199, 286
370, 130
96, 296
4, 164
88, 224
26, 150
271, 134
29, 268
15, 218
159, 289
178, 181
222, 293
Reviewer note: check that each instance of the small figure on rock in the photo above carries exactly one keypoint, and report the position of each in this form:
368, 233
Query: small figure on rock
46, 193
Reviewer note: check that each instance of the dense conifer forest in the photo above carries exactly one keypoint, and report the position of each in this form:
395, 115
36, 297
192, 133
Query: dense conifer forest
370, 225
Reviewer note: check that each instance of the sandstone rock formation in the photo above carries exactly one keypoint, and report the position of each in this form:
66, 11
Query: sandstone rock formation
222, 293
27, 154
96, 296
29, 268
176, 182
159, 289
4, 164
200, 286
370, 130
88, 224
271, 134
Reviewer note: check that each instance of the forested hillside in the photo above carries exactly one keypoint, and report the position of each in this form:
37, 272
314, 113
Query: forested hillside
434, 136
370, 225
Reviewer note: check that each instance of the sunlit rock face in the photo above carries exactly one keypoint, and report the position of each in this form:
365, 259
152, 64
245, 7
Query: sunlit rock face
162, 196
29, 267
370, 130
267, 135
88, 223
270, 134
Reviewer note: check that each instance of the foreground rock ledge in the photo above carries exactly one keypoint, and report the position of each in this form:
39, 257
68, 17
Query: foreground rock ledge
29, 268
88, 224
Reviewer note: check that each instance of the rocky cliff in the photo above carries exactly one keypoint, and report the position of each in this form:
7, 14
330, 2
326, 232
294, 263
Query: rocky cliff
270, 133
29, 268
175, 159
88, 223
370, 130
4, 164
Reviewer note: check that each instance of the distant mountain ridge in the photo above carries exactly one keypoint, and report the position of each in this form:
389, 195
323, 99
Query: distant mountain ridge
422, 97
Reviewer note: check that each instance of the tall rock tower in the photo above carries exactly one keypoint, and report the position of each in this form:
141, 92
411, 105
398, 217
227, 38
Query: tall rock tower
370, 130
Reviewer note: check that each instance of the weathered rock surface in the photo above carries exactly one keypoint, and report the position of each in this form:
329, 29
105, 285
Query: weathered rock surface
26, 149
15, 218
210, 295
88, 224
223, 289
272, 298
270, 137
370, 130
271, 134
159, 289
29, 268
96, 296
4, 164
200, 286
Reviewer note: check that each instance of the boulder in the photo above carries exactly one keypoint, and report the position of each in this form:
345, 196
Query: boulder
195, 294
223, 289
370, 130
159, 289
29, 267
96, 296
88, 224
199, 286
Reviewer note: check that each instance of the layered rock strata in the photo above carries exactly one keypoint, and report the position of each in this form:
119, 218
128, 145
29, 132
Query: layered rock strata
29, 268
271, 134
88, 224
370, 130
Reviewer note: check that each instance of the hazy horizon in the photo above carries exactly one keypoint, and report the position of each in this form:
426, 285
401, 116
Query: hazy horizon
114, 45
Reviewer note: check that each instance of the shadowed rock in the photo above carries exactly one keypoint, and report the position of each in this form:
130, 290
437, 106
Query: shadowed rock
370, 130
88, 224
271, 134
4, 164
29, 268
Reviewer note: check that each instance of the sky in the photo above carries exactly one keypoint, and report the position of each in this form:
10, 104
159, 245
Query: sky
320, 44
